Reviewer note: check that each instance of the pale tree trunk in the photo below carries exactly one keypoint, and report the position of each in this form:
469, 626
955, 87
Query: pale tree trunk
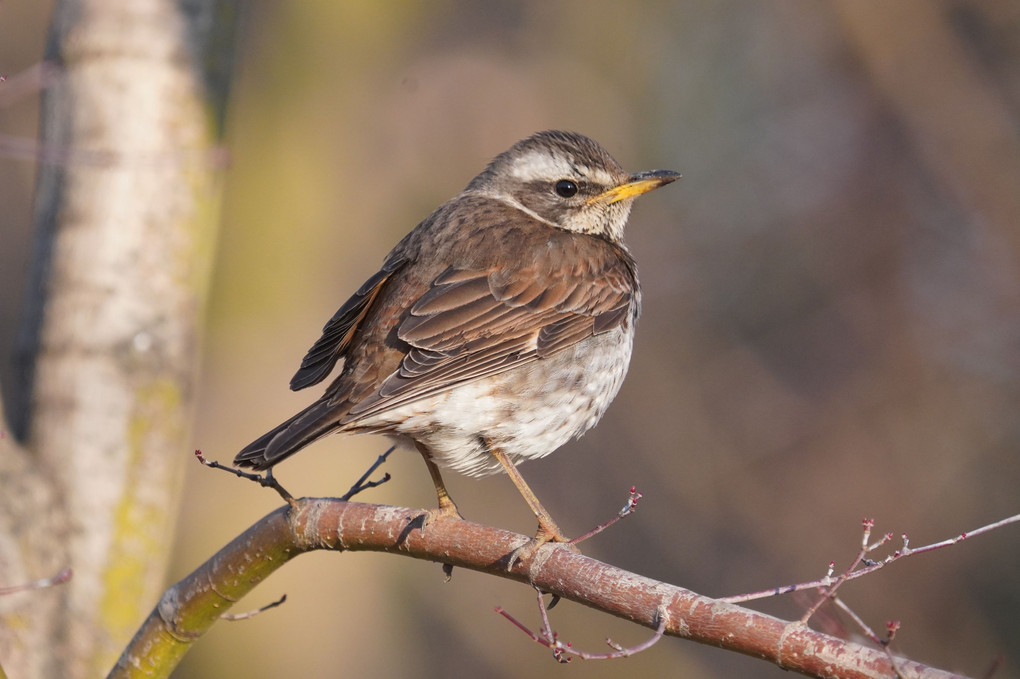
126, 210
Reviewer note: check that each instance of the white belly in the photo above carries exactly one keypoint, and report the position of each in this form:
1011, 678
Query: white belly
527, 416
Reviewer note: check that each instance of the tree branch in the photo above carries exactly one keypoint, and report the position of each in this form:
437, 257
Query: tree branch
191, 606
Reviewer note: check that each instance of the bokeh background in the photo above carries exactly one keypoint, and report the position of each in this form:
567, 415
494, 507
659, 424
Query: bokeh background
831, 326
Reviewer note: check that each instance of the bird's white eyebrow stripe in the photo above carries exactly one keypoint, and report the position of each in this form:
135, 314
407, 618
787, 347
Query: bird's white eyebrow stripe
540, 165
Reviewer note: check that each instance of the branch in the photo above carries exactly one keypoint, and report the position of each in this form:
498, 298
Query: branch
855, 570
190, 607
60, 578
565, 652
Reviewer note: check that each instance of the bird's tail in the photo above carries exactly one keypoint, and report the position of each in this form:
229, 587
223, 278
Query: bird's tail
309, 425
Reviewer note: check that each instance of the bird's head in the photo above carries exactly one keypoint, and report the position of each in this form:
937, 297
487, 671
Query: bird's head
568, 181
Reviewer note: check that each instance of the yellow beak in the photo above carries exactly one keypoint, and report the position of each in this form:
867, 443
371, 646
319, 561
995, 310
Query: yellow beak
636, 184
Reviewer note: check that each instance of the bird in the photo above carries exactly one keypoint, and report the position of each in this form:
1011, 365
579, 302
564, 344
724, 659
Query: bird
496, 330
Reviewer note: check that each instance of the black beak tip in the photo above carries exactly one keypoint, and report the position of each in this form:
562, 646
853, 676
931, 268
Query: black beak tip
662, 176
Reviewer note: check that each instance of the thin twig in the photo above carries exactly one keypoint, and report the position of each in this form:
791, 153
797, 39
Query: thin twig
871, 566
861, 566
266, 481
626, 510
251, 614
829, 591
994, 666
363, 483
29, 81
564, 652
859, 620
58, 579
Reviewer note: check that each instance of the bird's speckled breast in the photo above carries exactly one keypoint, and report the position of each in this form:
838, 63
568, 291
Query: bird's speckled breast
551, 401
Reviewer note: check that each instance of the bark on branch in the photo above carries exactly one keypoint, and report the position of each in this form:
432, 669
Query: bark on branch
191, 606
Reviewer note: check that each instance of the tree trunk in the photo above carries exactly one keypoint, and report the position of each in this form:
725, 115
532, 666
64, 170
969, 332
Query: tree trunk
126, 212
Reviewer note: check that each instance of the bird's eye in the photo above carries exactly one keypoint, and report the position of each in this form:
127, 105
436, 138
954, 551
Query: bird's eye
565, 188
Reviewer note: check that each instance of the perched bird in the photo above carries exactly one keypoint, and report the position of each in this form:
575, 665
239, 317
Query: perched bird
496, 331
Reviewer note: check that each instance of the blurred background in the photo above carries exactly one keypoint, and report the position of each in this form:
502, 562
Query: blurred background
831, 327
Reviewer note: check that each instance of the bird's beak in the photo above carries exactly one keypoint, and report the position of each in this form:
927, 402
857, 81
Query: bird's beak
636, 184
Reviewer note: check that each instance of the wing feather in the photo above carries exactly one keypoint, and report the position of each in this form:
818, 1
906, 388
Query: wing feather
473, 324
338, 331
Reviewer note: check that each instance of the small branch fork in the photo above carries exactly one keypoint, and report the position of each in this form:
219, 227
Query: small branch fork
859, 567
870, 566
363, 483
563, 652
267, 480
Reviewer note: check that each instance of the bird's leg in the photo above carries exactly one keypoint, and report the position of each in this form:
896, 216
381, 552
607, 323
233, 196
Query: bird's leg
547, 528
447, 508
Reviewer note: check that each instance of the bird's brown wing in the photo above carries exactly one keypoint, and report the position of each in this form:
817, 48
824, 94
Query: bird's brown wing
337, 333
473, 324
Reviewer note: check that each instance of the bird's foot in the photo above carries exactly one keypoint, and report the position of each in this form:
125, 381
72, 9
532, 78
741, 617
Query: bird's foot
445, 510
547, 532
